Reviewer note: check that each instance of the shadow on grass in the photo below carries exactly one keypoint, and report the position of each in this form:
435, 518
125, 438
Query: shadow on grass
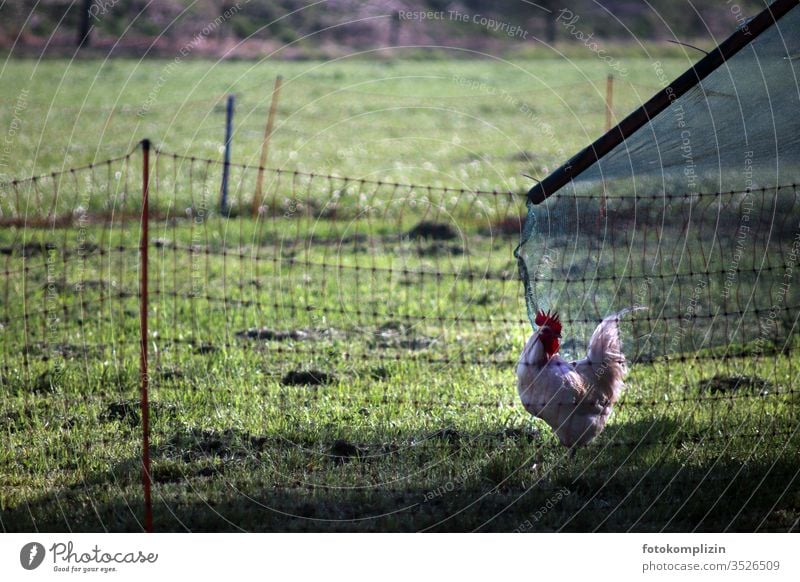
220, 481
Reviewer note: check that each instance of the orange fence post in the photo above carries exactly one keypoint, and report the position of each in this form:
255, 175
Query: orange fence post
143, 304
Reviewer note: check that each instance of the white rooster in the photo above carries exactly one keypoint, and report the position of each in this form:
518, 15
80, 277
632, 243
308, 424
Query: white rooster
574, 398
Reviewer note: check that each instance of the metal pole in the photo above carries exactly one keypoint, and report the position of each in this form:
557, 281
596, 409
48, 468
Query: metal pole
273, 107
223, 201
143, 370
84, 26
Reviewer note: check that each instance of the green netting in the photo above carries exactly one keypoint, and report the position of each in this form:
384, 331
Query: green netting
694, 216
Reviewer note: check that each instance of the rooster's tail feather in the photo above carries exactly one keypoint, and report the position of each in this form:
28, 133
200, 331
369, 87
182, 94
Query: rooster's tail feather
605, 364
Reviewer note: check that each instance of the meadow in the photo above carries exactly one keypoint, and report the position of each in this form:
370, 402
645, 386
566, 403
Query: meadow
344, 359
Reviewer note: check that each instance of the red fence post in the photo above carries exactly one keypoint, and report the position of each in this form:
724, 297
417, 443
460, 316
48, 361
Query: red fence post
143, 304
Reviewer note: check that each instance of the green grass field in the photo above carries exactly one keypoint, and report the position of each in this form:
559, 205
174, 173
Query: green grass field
476, 124
320, 368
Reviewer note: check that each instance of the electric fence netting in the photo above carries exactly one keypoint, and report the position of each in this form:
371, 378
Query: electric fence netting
689, 207
331, 294
314, 341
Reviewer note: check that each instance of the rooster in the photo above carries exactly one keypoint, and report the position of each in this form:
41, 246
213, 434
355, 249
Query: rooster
574, 398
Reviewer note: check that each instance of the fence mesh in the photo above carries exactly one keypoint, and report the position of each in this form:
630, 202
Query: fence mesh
329, 338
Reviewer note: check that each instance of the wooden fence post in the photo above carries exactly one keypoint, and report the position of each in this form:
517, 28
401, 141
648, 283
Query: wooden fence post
273, 107
609, 125
609, 101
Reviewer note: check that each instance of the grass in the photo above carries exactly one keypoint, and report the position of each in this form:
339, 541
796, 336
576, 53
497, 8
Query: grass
472, 124
309, 369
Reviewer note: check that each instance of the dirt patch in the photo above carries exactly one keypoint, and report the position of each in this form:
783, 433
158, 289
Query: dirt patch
71, 351
122, 411
168, 473
170, 373
13, 421
69, 423
509, 226
433, 231
449, 435
343, 451
210, 471
438, 248
482, 300
263, 333
412, 344
721, 384
519, 434
28, 249
67, 220
379, 373
307, 378
195, 444
203, 349
45, 351
48, 382
77, 286
355, 238
308, 334
127, 411
176, 472
523, 156
394, 335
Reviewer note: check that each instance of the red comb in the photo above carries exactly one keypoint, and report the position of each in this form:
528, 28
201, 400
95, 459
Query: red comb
546, 319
